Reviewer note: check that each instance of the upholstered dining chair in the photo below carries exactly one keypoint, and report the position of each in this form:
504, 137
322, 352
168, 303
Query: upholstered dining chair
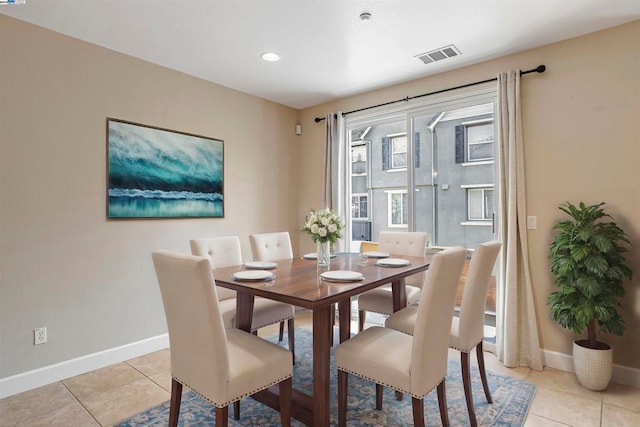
380, 300
409, 364
221, 365
271, 246
467, 330
225, 251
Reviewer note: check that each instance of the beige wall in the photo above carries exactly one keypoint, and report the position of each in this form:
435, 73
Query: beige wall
63, 265
580, 122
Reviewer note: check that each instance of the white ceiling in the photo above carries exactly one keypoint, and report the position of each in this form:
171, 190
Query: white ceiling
327, 51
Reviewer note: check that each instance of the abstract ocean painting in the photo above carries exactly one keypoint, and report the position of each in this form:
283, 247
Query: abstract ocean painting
159, 173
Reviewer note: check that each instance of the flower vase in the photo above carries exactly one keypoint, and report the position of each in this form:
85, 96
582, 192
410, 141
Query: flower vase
323, 253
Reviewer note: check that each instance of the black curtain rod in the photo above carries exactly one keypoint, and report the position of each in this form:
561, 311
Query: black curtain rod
538, 69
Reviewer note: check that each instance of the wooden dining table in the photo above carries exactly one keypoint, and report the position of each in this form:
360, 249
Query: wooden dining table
298, 282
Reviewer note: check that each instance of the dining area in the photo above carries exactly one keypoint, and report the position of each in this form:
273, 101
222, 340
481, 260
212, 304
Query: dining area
239, 297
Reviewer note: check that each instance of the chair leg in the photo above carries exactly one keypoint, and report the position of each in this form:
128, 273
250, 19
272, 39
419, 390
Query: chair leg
379, 393
291, 335
442, 403
418, 412
236, 410
466, 381
222, 416
285, 402
176, 398
362, 315
343, 384
281, 336
483, 373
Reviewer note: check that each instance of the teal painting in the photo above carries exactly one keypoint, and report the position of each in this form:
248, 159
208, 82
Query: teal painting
160, 173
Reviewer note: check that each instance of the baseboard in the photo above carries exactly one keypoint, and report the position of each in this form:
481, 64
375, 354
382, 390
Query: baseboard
621, 374
80, 365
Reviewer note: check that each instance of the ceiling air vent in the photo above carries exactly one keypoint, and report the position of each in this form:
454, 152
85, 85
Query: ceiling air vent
438, 54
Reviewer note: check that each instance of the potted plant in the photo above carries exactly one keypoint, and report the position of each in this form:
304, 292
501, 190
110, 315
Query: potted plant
588, 264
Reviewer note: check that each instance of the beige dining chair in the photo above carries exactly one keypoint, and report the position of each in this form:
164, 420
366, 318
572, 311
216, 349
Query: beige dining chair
409, 364
225, 251
380, 300
467, 330
271, 246
221, 365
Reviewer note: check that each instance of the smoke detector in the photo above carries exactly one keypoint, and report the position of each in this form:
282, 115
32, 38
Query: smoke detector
438, 54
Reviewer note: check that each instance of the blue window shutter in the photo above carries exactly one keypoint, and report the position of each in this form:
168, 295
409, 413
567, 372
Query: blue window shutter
460, 131
416, 150
386, 148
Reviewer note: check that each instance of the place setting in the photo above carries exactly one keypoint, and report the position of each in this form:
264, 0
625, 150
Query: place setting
253, 276
393, 262
341, 276
314, 255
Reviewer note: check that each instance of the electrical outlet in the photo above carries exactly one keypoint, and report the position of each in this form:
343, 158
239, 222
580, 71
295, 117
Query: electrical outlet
39, 336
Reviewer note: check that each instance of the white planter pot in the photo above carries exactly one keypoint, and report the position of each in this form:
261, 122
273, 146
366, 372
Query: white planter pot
593, 367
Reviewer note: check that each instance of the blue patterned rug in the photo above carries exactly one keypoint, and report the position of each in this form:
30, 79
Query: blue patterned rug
511, 398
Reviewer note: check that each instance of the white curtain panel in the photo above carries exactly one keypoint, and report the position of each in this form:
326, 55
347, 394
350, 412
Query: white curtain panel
335, 174
517, 342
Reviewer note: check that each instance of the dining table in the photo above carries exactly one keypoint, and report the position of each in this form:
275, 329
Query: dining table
298, 282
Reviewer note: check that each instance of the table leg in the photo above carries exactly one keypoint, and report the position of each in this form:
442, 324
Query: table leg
344, 310
321, 354
244, 310
399, 293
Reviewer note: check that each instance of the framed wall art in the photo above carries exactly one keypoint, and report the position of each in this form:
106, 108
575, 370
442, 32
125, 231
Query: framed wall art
161, 173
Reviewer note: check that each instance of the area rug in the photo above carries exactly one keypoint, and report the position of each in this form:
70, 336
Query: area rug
511, 400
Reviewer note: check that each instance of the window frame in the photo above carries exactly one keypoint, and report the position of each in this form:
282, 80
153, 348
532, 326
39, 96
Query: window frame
390, 194
360, 196
392, 139
468, 143
483, 188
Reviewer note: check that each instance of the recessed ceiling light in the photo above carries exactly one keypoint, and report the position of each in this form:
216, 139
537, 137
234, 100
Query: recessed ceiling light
270, 56
365, 16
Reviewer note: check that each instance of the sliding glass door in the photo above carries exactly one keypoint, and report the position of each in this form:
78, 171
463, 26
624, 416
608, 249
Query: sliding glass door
428, 168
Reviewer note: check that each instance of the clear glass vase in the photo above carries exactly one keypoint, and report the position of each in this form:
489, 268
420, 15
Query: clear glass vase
323, 253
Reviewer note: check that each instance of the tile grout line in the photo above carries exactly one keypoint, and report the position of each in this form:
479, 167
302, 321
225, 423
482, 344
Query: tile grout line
80, 403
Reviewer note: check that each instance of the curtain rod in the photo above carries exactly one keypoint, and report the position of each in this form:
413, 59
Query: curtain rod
538, 69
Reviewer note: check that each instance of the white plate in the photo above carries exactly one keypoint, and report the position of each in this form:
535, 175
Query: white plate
314, 255
393, 262
253, 275
342, 276
260, 265
376, 254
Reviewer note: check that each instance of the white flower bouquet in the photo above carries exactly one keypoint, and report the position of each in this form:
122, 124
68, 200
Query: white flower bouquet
323, 226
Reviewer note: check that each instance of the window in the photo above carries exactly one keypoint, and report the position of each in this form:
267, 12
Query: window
398, 152
359, 159
480, 142
359, 206
480, 204
474, 142
398, 212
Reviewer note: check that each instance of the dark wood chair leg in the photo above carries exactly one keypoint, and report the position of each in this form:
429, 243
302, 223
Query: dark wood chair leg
236, 410
291, 335
281, 336
176, 398
483, 373
418, 412
379, 393
222, 416
343, 383
442, 403
285, 402
466, 381
362, 315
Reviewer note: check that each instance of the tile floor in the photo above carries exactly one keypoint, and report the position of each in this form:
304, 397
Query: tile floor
106, 396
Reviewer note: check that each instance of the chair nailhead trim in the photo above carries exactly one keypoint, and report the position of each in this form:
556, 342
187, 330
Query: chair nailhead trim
389, 385
218, 405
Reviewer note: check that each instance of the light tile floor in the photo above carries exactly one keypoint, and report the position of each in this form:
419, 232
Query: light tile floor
106, 396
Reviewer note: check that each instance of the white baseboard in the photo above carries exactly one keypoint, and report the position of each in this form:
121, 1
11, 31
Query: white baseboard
621, 374
70, 368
